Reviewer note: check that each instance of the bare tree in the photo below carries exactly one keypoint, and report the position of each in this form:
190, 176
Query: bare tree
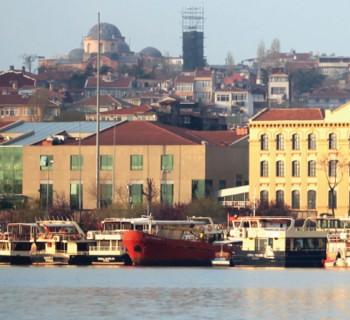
28, 60
334, 167
273, 52
122, 191
38, 104
261, 53
230, 62
151, 192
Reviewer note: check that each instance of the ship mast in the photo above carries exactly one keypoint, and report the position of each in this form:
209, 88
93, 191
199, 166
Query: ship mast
98, 119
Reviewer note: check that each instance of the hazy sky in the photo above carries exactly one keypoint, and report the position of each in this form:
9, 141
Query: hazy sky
50, 28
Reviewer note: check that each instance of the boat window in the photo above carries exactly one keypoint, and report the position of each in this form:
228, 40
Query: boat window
310, 243
261, 244
299, 244
246, 224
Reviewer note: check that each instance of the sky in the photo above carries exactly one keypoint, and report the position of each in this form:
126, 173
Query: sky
53, 28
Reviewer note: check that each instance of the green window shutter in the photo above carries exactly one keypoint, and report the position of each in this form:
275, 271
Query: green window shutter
136, 162
167, 193
76, 162
106, 194
167, 162
106, 162
136, 193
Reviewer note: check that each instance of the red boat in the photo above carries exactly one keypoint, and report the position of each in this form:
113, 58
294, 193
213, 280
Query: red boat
175, 243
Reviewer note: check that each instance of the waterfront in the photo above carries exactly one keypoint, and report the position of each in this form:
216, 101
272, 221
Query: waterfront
172, 293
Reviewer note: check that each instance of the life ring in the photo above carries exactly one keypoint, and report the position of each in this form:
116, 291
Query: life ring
209, 228
219, 227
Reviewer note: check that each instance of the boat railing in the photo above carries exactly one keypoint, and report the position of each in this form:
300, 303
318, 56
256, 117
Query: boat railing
107, 248
110, 232
16, 237
59, 236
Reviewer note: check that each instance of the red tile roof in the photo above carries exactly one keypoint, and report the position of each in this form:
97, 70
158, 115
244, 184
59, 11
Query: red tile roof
105, 100
185, 79
5, 123
13, 99
302, 114
22, 78
149, 133
131, 110
203, 73
232, 79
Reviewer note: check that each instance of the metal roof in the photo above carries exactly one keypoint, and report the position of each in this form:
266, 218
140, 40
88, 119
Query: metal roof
30, 133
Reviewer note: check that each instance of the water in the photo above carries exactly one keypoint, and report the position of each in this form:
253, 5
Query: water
172, 293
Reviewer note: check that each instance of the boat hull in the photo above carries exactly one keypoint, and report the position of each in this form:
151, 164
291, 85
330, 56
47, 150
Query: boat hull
15, 259
110, 259
60, 259
149, 250
307, 259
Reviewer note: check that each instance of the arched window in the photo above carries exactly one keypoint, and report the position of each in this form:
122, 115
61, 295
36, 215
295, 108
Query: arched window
311, 168
280, 169
295, 199
280, 197
332, 141
311, 199
264, 169
311, 141
264, 197
295, 142
280, 142
264, 142
332, 168
296, 168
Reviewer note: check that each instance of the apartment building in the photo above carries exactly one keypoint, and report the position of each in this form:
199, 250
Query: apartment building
301, 157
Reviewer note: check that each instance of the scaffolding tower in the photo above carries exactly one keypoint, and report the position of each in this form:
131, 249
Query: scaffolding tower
193, 38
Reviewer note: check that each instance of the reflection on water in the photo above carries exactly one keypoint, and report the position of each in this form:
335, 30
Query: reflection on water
172, 293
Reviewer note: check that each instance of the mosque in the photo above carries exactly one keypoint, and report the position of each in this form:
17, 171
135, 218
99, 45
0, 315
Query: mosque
114, 52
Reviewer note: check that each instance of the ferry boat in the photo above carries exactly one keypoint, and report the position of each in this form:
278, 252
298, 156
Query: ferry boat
17, 242
60, 242
278, 242
175, 243
107, 247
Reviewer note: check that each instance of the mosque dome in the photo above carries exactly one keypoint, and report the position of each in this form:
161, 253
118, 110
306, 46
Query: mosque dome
76, 55
122, 46
108, 32
151, 52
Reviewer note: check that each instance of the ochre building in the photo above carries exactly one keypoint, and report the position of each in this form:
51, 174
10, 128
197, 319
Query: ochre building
301, 158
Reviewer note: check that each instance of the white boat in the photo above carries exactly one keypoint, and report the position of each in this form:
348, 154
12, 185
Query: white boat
106, 247
60, 242
17, 242
278, 242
